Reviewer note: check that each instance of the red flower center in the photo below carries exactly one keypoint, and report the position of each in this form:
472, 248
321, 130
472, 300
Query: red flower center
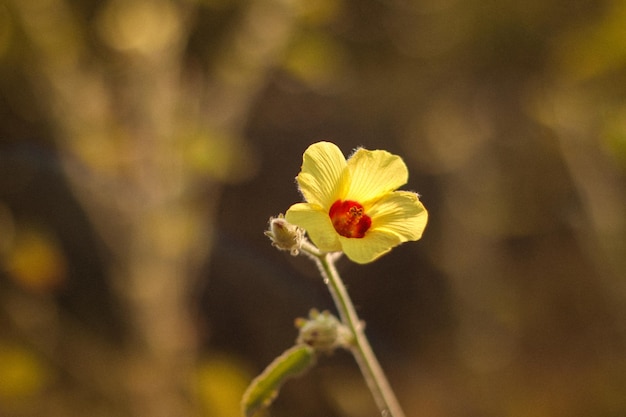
349, 219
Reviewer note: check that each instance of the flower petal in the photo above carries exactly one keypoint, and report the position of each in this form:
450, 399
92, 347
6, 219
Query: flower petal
400, 213
370, 247
317, 224
374, 173
323, 178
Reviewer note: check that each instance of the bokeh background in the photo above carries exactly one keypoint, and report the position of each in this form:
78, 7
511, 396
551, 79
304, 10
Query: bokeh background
145, 143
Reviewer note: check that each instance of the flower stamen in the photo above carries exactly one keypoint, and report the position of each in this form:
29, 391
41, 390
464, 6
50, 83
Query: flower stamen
349, 218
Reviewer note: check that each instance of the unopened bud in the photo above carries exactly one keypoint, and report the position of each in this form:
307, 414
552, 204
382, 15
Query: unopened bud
322, 331
284, 235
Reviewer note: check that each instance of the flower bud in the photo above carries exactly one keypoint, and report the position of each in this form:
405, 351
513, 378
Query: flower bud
322, 331
284, 235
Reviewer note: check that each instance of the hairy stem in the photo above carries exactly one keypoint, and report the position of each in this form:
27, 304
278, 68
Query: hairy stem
370, 368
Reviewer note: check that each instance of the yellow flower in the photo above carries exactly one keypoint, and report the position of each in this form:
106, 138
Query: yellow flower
352, 205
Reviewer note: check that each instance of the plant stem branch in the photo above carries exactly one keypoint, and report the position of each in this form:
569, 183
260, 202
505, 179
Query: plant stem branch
370, 368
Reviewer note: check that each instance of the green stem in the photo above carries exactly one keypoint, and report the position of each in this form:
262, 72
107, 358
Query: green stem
362, 351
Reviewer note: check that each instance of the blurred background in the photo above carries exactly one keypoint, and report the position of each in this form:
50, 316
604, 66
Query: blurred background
145, 143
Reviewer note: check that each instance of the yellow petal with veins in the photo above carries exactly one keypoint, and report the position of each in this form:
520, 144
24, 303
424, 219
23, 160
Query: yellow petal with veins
374, 174
370, 247
400, 213
316, 222
323, 178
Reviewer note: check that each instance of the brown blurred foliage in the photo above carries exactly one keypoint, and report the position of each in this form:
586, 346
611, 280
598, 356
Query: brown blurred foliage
144, 144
